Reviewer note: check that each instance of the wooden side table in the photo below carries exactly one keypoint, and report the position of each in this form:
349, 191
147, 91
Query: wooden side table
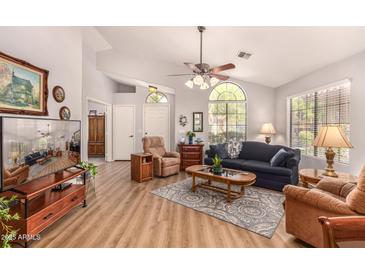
312, 176
141, 167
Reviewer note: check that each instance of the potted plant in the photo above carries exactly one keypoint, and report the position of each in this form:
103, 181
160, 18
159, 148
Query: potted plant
190, 135
90, 167
217, 165
5, 217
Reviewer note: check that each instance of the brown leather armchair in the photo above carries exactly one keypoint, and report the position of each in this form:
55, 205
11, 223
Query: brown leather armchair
330, 198
164, 163
16, 175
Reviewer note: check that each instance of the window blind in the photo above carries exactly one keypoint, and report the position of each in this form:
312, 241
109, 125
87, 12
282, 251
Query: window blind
312, 110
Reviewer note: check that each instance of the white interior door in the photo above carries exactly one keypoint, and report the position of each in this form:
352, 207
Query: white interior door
123, 131
156, 121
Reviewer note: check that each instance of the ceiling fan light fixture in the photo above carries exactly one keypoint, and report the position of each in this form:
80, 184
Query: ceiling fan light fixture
198, 80
214, 81
189, 83
204, 85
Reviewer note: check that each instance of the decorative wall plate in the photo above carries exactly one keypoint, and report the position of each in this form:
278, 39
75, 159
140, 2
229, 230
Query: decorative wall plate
65, 113
58, 94
183, 120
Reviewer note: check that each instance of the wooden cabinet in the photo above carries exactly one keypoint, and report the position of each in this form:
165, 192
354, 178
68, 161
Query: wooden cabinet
39, 206
190, 155
141, 167
96, 144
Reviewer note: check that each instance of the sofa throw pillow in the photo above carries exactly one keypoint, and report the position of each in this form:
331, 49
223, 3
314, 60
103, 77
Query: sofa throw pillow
234, 148
220, 150
290, 155
279, 158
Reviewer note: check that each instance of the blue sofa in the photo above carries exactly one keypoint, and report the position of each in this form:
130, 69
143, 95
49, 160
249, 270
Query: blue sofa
255, 157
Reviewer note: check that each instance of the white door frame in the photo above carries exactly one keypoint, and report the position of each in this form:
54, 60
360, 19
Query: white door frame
167, 144
108, 128
134, 124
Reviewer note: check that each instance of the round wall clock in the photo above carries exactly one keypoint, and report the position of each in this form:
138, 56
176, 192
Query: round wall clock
65, 113
58, 94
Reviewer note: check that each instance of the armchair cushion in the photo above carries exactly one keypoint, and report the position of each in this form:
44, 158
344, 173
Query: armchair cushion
335, 186
356, 199
168, 161
172, 154
318, 199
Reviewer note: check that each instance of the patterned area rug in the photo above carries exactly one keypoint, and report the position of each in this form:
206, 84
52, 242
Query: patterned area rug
259, 210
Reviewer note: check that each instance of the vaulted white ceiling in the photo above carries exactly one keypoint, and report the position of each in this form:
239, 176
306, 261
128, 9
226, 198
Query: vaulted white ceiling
280, 54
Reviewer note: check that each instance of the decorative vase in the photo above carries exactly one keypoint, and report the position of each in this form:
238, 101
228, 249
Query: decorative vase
190, 140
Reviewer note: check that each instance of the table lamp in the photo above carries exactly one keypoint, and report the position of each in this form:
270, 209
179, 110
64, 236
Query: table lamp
331, 137
267, 129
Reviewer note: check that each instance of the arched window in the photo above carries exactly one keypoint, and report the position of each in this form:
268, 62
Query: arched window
156, 97
227, 114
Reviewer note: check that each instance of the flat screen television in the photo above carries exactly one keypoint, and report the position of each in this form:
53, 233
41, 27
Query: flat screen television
32, 148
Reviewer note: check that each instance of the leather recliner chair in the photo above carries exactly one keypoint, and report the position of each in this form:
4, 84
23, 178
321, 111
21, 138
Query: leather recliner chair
330, 198
164, 163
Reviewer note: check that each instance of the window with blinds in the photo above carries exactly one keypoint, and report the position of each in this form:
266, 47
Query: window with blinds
317, 108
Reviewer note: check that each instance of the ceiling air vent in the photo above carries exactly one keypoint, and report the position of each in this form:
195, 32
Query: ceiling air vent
244, 54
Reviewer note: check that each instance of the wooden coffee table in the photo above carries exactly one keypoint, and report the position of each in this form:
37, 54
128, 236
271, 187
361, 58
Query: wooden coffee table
229, 177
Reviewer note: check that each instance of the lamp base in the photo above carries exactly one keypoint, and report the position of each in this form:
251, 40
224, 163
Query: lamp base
330, 171
267, 139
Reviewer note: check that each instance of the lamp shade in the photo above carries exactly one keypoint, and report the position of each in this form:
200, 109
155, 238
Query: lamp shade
331, 136
267, 128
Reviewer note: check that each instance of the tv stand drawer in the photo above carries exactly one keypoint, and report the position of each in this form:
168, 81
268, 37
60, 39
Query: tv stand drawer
54, 211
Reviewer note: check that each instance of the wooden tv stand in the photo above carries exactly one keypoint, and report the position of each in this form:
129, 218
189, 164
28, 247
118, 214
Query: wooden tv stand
39, 207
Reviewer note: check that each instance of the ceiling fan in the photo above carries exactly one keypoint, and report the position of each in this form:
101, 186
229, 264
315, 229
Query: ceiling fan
203, 74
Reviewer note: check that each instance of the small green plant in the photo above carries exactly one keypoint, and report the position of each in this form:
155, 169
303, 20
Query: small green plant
5, 218
217, 161
190, 134
90, 167
217, 165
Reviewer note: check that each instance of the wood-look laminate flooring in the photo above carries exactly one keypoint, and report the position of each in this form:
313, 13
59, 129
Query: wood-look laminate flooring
123, 213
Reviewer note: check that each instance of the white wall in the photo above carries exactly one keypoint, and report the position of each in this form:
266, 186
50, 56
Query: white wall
352, 68
97, 86
187, 101
56, 49
100, 108
138, 99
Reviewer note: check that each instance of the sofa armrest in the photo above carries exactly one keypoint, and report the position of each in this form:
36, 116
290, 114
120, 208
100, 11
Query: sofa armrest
293, 162
335, 186
317, 199
172, 154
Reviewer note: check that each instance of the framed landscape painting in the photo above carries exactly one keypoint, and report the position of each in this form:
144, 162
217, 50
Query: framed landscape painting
23, 87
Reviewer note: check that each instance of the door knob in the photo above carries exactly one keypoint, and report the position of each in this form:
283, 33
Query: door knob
131, 136
145, 133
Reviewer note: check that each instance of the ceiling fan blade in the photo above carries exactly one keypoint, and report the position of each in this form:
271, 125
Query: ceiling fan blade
182, 74
223, 67
219, 76
193, 67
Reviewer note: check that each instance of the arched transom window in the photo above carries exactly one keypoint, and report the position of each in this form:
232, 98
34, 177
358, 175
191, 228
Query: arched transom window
227, 114
156, 97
